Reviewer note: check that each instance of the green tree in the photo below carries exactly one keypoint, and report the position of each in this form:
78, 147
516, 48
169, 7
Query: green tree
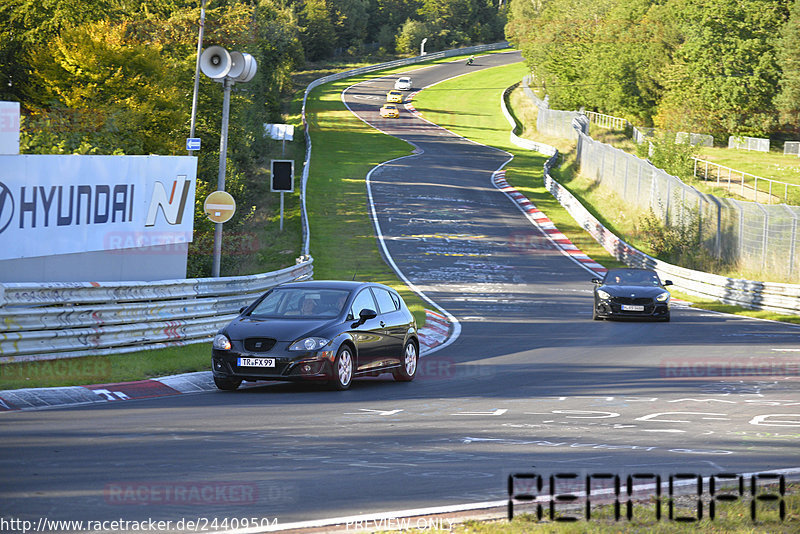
317, 32
388, 17
725, 73
350, 20
125, 89
26, 24
788, 51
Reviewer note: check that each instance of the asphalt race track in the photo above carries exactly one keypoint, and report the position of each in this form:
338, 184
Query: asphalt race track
530, 384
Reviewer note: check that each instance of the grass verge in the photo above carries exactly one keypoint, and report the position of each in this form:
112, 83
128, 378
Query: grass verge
773, 165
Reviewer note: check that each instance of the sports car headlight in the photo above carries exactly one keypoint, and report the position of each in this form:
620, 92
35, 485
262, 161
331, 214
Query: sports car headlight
310, 343
663, 297
222, 342
603, 295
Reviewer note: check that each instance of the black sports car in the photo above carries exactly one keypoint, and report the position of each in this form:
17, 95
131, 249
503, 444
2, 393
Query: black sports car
634, 293
321, 330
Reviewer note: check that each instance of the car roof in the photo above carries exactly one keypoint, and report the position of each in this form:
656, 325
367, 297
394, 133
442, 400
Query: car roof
332, 284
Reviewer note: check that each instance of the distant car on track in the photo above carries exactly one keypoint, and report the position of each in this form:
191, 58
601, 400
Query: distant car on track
390, 111
631, 293
403, 83
394, 96
327, 331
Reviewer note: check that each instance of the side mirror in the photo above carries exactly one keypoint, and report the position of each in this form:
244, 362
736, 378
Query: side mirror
242, 309
366, 314
667, 283
596, 281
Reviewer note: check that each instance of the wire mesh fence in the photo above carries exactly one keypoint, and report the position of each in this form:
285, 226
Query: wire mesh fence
748, 143
754, 236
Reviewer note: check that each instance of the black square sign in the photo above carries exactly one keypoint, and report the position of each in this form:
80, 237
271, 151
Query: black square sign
282, 175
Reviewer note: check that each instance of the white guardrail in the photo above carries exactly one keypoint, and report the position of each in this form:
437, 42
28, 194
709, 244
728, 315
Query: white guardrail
48, 321
777, 297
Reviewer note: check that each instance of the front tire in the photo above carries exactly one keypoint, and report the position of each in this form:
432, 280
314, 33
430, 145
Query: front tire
343, 369
227, 384
408, 366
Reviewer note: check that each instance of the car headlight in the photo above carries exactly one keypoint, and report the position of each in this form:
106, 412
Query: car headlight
310, 343
603, 295
222, 342
663, 297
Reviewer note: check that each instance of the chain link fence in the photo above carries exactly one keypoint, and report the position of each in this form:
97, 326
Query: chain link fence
756, 237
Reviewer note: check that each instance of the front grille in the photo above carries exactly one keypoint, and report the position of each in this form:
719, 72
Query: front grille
258, 344
634, 301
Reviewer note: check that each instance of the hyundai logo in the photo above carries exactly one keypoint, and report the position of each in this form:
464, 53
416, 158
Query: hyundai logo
6, 207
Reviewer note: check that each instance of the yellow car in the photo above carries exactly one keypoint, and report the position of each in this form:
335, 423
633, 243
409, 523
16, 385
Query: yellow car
394, 96
390, 111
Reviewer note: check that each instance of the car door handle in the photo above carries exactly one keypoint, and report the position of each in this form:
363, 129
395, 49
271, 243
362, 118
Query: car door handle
383, 324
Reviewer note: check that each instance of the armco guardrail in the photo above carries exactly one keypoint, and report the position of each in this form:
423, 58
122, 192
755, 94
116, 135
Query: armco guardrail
73, 319
781, 298
355, 72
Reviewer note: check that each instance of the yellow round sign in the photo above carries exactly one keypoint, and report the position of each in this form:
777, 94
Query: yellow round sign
219, 206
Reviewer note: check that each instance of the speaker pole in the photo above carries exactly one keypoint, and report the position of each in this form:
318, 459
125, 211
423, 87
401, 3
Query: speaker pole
223, 157
197, 70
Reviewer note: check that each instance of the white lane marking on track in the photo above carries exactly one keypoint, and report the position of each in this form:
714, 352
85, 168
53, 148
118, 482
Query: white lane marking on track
366, 411
652, 417
499, 411
760, 420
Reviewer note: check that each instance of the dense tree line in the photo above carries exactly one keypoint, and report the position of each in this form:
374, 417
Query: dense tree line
711, 66
116, 76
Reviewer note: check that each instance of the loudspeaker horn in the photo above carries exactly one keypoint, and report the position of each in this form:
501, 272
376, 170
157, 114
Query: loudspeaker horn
237, 65
215, 62
248, 69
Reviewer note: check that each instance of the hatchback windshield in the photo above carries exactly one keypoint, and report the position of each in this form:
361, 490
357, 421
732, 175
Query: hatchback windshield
631, 277
302, 303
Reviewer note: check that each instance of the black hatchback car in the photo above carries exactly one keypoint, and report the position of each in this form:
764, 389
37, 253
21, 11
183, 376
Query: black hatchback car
328, 331
632, 293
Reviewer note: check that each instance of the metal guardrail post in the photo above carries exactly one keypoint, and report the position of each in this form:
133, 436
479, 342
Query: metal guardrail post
793, 243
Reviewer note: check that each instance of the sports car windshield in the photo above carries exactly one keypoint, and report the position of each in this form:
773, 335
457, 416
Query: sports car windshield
302, 303
631, 277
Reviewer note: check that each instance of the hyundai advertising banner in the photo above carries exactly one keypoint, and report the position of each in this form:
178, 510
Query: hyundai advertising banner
56, 204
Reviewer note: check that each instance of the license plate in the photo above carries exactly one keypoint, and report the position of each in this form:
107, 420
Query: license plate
631, 307
255, 362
